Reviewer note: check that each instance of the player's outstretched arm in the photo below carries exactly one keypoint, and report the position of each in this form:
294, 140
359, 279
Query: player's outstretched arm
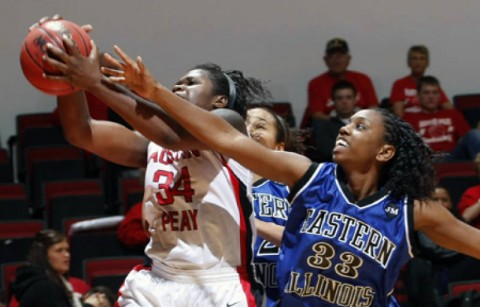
270, 231
445, 229
108, 140
147, 118
208, 128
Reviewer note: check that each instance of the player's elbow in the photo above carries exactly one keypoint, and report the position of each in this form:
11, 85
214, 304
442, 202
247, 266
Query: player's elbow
76, 138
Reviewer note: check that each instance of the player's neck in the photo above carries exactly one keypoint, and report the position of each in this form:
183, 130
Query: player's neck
256, 177
362, 184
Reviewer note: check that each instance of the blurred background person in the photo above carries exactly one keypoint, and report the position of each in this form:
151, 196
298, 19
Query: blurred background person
324, 132
403, 97
337, 59
44, 281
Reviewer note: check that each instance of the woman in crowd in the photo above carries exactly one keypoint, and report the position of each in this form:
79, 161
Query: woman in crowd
44, 281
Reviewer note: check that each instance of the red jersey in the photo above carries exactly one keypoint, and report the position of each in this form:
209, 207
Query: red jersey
405, 89
320, 89
440, 130
470, 198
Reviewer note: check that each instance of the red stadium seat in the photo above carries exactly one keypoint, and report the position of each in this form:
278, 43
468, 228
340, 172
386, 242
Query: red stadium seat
459, 287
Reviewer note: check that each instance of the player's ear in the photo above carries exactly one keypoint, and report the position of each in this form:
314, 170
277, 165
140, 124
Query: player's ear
386, 153
220, 101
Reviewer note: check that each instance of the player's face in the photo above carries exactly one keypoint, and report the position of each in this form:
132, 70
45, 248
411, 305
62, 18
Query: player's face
360, 141
262, 128
429, 97
337, 62
418, 63
345, 102
59, 257
196, 87
441, 197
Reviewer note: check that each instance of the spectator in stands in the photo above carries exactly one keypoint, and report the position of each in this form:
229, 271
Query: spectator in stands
469, 205
442, 197
337, 58
403, 97
44, 281
325, 131
426, 275
440, 128
468, 147
468, 268
99, 296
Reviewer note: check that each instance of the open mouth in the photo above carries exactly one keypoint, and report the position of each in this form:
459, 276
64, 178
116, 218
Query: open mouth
341, 143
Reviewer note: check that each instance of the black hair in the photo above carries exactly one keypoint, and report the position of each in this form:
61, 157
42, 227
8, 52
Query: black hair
410, 172
109, 295
247, 89
430, 80
38, 255
293, 138
341, 85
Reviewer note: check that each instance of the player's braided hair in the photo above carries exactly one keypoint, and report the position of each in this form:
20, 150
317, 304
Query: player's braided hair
410, 172
247, 89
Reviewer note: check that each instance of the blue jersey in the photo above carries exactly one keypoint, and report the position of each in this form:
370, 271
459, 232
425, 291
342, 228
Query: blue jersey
270, 205
337, 251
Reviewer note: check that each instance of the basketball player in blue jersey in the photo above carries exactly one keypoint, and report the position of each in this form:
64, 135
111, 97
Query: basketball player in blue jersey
352, 222
196, 209
270, 197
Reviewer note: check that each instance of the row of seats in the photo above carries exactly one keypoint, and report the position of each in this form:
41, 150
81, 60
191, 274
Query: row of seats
65, 199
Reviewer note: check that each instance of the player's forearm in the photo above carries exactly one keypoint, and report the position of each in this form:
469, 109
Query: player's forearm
143, 116
270, 231
75, 118
208, 128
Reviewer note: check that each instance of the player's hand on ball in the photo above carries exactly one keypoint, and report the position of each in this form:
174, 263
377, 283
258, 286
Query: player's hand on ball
130, 73
81, 71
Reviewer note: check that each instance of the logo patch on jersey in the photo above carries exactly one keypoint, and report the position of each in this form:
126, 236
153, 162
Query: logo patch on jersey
392, 210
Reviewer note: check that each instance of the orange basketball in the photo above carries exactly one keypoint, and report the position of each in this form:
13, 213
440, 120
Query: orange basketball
35, 46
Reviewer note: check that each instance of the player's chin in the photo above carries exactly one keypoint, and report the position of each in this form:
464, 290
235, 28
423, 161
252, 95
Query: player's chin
337, 155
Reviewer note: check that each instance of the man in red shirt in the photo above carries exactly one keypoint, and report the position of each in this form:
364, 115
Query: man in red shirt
469, 205
337, 58
403, 97
440, 128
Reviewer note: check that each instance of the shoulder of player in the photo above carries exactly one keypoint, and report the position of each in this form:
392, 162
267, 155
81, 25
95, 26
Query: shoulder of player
235, 119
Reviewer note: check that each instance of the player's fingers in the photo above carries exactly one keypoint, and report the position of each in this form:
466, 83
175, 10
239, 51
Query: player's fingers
126, 59
120, 80
33, 26
112, 72
140, 64
87, 28
70, 46
94, 52
55, 77
111, 60
54, 63
57, 53
43, 19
